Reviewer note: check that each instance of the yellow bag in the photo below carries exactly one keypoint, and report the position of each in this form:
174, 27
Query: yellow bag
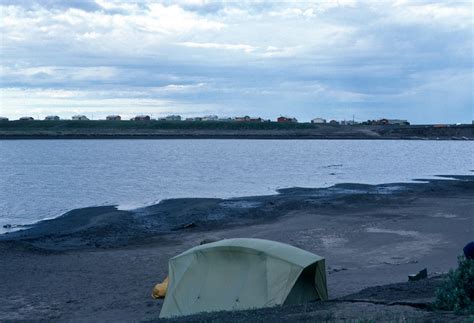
159, 291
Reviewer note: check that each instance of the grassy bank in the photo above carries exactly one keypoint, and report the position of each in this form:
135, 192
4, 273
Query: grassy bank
211, 129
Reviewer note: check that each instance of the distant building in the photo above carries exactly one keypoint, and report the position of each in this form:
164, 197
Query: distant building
3, 119
334, 122
51, 118
173, 118
26, 119
210, 118
318, 120
225, 120
80, 117
349, 123
399, 122
386, 122
141, 117
194, 119
286, 119
247, 119
113, 117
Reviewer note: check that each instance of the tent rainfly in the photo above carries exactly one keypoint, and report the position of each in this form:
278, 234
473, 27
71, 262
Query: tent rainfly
238, 274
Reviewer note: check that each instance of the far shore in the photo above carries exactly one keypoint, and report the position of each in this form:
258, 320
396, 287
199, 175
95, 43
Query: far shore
67, 129
100, 263
205, 137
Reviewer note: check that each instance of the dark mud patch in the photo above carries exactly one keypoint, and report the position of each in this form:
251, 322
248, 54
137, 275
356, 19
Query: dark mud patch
108, 227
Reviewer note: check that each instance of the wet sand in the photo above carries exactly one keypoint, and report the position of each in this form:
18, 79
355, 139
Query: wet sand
101, 263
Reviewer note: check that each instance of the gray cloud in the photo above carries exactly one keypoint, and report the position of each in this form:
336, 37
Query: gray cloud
87, 5
332, 59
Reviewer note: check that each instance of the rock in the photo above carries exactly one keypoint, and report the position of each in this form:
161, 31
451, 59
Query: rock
185, 226
336, 269
189, 225
422, 274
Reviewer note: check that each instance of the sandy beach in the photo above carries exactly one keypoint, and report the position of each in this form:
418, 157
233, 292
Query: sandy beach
101, 263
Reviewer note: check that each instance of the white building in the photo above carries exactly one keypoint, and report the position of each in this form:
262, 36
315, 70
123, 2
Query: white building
349, 123
51, 118
80, 117
318, 120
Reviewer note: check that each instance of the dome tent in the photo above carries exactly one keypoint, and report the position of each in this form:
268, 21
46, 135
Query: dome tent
238, 274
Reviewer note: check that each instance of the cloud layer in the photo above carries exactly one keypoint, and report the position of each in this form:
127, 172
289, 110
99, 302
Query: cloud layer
335, 59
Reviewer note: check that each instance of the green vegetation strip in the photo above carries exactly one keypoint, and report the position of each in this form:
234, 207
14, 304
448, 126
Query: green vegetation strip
103, 124
457, 292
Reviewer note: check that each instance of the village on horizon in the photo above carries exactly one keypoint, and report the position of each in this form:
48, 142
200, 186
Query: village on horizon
215, 118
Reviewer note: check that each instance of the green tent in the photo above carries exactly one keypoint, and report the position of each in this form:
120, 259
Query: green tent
238, 274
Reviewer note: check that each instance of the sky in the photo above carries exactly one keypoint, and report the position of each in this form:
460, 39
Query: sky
336, 59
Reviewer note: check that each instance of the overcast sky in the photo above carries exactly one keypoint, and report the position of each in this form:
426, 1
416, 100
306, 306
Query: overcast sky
335, 59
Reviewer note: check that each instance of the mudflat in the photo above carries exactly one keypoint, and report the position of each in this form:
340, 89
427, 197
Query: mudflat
102, 263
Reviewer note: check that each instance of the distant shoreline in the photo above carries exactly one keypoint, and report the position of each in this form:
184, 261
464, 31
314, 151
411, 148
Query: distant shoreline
176, 137
221, 130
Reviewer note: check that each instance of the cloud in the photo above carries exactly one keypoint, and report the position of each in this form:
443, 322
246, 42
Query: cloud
95, 104
263, 58
86, 5
243, 47
456, 15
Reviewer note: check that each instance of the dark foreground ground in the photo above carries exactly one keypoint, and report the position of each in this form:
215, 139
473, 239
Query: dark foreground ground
100, 263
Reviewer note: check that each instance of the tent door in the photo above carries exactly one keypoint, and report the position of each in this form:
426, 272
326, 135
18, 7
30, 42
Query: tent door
304, 289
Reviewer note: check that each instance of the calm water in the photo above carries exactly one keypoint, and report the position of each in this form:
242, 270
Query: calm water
45, 178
